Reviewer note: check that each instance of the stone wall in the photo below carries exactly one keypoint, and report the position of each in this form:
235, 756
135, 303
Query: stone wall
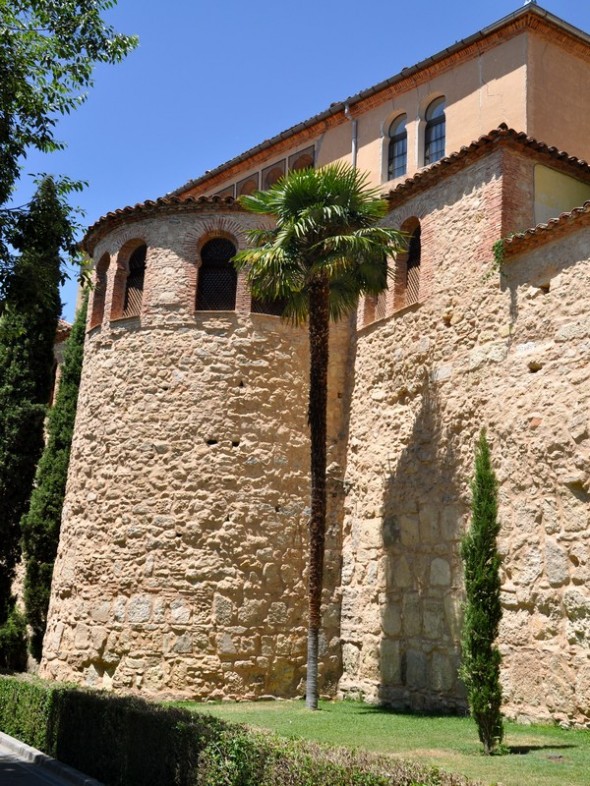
506, 352
182, 563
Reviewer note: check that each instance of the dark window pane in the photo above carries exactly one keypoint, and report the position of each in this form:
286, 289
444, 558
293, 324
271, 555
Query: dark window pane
217, 277
413, 267
434, 134
398, 148
134, 283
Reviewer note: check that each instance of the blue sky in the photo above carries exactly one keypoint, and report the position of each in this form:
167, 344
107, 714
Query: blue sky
211, 79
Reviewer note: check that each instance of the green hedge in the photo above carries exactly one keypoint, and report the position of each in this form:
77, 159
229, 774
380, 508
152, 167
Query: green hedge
125, 741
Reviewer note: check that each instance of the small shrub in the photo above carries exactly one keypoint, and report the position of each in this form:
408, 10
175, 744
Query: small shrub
480, 670
13, 642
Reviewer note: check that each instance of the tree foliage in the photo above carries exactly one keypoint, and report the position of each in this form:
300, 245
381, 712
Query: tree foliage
48, 49
28, 323
41, 524
480, 670
324, 251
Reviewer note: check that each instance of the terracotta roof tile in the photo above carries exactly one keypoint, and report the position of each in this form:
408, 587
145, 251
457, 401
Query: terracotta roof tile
522, 241
162, 204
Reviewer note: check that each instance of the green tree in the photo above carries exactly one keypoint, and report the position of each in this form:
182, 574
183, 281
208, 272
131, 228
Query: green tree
325, 250
48, 49
28, 323
41, 525
480, 669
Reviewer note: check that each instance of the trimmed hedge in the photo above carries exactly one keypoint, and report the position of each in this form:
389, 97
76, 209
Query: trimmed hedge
126, 741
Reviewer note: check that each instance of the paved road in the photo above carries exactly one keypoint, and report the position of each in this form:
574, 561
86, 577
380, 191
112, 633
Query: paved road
15, 772
24, 766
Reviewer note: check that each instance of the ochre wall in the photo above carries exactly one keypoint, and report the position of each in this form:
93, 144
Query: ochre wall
558, 96
507, 352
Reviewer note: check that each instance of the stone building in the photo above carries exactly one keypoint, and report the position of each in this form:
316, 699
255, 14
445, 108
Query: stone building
181, 568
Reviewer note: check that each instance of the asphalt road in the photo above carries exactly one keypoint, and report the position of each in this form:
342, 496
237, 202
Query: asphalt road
24, 766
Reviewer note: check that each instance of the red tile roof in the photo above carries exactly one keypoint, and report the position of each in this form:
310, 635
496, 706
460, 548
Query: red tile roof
555, 227
161, 205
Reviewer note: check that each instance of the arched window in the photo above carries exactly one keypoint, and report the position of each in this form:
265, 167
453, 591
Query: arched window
434, 133
413, 267
271, 174
129, 278
397, 159
304, 159
99, 292
248, 185
134, 283
217, 277
407, 266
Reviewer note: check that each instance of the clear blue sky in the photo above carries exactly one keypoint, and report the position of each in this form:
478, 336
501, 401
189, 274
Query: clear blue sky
211, 79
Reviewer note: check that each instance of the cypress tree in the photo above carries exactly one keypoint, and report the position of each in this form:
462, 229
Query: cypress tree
28, 322
41, 525
480, 670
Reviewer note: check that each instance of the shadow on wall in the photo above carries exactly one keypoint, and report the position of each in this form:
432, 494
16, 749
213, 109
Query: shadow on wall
422, 527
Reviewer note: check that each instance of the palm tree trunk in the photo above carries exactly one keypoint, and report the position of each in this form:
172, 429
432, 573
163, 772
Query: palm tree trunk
319, 331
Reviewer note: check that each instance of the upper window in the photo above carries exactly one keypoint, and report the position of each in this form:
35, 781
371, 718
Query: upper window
272, 173
134, 283
217, 277
304, 159
434, 134
397, 161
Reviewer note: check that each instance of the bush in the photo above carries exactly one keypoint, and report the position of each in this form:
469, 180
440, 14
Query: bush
480, 670
41, 524
13, 642
124, 741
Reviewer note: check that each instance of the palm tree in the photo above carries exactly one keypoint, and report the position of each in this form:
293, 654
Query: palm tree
324, 251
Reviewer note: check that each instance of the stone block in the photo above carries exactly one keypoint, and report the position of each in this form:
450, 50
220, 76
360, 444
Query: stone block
391, 618
409, 530
429, 524
433, 618
390, 662
442, 672
556, 564
416, 669
411, 614
139, 609
223, 610
440, 573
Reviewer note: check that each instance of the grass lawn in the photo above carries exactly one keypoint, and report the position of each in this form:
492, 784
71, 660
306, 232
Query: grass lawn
537, 755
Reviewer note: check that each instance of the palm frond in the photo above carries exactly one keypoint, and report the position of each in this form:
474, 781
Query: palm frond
326, 223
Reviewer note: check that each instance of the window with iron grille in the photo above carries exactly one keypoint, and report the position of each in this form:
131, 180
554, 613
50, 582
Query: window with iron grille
134, 283
434, 133
398, 148
413, 268
217, 277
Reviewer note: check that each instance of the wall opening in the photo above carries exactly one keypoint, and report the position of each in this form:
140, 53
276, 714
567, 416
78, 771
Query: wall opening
217, 277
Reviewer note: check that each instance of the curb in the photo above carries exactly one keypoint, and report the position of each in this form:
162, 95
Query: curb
32, 756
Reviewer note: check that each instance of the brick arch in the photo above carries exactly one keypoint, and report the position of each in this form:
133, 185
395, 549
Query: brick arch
127, 297
408, 265
99, 292
217, 280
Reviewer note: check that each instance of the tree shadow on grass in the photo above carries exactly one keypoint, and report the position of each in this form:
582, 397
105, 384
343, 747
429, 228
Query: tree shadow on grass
378, 709
522, 750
